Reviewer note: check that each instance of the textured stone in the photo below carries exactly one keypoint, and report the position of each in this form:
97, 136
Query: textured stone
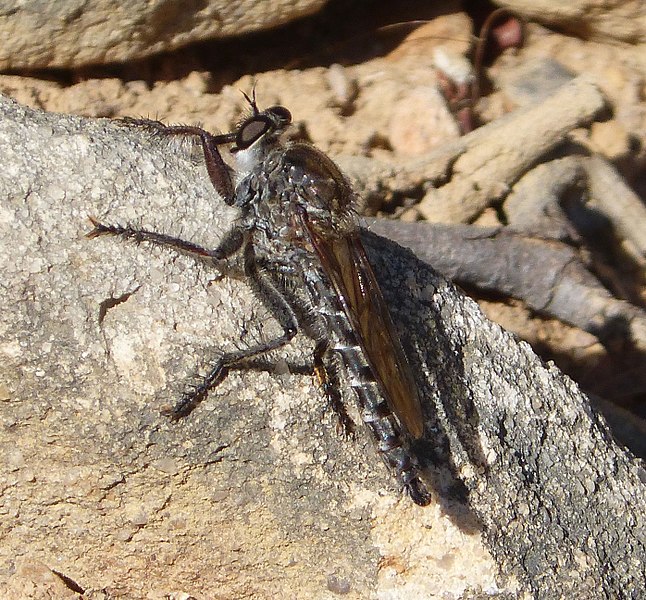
72, 33
255, 494
619, 20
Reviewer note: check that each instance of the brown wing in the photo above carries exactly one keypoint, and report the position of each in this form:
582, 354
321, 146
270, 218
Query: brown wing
346, 264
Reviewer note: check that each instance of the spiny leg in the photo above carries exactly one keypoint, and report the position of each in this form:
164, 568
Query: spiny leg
261, 283
219, 372
218, 171
230, 243
267, 290
328, 377
270, 366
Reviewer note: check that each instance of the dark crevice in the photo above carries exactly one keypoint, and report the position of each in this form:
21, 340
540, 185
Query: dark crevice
69, 582
109, 303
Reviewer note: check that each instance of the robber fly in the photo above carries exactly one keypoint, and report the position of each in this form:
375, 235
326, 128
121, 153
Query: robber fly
303, 257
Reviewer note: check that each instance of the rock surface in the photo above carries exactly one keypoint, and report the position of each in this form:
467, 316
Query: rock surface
71, 34
617, 20
254, 493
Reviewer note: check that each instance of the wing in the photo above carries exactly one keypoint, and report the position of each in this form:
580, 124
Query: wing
345, 262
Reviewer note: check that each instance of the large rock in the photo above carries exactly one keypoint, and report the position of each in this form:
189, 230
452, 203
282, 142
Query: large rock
255, 494
617, 20
70, 33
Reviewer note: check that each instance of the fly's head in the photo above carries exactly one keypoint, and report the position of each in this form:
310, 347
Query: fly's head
287, 180
258, 134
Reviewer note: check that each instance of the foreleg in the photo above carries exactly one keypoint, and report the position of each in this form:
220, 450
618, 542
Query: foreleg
230, 244
219, 172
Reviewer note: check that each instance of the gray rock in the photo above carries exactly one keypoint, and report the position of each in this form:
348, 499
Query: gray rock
74, 33
254, 493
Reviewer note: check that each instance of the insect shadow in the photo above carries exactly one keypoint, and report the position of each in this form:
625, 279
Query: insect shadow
436, 359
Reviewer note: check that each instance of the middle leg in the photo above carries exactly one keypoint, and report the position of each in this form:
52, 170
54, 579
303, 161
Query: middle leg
270, 294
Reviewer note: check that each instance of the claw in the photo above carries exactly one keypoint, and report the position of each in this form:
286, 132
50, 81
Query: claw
99, 229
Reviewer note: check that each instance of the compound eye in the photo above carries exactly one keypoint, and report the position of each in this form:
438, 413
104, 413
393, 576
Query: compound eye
252, 130
281, 114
